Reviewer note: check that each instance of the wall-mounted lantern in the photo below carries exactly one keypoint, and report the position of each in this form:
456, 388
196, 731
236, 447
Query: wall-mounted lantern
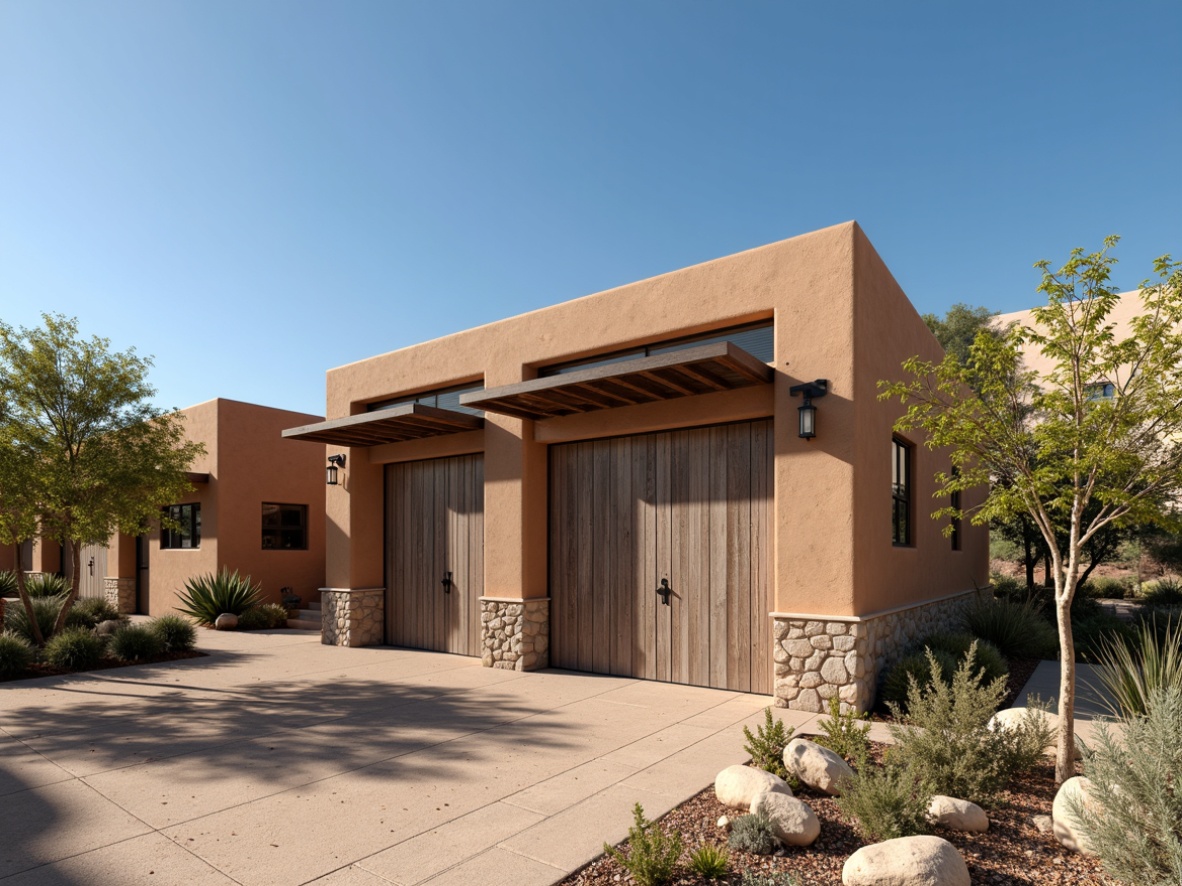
334, 462
808, 412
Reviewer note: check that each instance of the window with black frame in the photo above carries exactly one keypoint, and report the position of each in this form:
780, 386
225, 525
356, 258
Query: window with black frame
187, 535
285, 527
900, 493
956, 507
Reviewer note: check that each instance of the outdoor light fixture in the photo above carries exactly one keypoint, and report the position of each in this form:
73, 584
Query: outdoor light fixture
334, 461
808, 412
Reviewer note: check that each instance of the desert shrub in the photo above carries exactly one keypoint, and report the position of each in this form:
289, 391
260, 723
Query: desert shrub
74, 649
652, 854
89, 612
1017, 629
16, 654
753, 833
886, 802
174, 632
987, 657
46, 584
1007, 586
843, 734
1107, 588
1133, 816
45, 610
766, 746
135, 643
946, 741
1131, 670
710, 861
205, 597
915, 666
1163, 592
7, 584
263, 617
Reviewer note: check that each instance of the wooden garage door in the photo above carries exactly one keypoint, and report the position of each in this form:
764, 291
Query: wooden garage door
435, 533
690, 508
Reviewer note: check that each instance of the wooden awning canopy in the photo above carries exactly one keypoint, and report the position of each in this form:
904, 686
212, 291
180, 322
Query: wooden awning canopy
718, 366
411, 421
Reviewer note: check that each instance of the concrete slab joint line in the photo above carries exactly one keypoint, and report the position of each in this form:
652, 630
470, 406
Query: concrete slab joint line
817, 658
352, 616
515, 634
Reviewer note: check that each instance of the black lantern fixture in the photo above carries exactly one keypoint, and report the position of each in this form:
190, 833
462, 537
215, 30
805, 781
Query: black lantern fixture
334, 461
808, 412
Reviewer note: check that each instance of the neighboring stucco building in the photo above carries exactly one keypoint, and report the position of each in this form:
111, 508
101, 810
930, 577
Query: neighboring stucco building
257, 506
617, 484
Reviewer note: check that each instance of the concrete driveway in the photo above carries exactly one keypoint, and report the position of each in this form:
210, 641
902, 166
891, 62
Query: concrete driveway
276, 760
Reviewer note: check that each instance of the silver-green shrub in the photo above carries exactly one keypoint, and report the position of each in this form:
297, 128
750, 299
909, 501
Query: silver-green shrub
753, 833
886, 802
652, 854
1133, 815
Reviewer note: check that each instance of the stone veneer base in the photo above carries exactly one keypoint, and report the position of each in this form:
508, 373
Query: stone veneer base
352, 616
818, 657
120, 593
515, 634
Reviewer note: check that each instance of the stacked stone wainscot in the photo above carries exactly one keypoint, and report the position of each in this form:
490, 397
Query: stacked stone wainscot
352, 616
120, 593
818, 657
515, 634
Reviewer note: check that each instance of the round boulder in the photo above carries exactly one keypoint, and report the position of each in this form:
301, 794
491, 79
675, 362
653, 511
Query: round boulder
1064, 825
738, 785
957, 815
816, 766
1011, 718
794, 823
227, 621
108, 627
907, 861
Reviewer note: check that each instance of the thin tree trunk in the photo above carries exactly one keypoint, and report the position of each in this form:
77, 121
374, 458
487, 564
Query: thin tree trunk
1065, 752
23, 593
68, 603
1028, 541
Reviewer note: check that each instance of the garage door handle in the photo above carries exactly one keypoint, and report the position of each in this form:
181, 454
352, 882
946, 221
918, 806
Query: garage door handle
446, 582
665, 591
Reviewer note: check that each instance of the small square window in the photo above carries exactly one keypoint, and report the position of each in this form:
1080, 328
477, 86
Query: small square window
188, 536
285, 527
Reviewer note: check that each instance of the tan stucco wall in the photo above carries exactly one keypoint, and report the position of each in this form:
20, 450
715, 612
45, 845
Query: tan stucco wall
248, 463
824, 517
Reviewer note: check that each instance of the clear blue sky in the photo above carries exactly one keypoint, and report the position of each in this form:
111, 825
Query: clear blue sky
230, 186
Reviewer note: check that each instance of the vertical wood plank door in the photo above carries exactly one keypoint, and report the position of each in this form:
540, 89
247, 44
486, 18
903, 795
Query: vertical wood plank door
692, 508
435, 526
92, 572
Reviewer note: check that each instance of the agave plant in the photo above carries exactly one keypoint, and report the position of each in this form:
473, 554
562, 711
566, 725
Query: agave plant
46, 584
205, 597
7, 584
1129, 673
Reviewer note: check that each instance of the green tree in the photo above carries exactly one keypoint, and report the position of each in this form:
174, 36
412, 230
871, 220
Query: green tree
88, 455
958, 329
1074, 463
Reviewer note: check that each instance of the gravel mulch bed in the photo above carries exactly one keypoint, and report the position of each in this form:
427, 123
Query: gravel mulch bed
1011, 853
40, 669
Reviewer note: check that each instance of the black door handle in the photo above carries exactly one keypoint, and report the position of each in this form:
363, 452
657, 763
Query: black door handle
665, 591
446, 582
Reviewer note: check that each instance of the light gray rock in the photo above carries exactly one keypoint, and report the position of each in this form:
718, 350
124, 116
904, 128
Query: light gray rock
108, 627
816, 766
1065, 826
724, 822
907, 861
227, 621
1044, 823
794, 822
957, 815
1011, 718
738, 785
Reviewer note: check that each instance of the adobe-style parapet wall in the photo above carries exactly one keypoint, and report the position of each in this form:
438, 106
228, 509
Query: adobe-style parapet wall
515, 634
352, 616
120, 593
818, 657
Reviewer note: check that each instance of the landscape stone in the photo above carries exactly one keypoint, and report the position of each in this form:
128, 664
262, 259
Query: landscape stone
793, 821
1064, 823
227, 621
108, 627
1044, 823
957, 815
816, 766
906, 861
738, 786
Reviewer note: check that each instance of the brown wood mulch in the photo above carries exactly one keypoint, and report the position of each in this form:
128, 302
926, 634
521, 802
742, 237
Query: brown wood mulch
1011, 853
41, 669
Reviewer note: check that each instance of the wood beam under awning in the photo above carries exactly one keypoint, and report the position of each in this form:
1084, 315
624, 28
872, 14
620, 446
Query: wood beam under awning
705, 369
411, 421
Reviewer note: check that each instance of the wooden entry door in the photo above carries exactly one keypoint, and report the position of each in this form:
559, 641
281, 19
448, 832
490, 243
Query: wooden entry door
683, 511
92, 572
435, 553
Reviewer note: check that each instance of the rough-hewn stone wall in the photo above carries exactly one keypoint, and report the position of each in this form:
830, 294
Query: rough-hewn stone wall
120, 593
515, 634
817, 657
352, 616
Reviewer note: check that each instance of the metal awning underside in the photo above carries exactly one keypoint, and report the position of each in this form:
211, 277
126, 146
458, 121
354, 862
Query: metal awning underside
719, 366
411, 421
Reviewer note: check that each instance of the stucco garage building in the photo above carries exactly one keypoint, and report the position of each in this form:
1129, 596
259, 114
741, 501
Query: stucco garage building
617, 484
